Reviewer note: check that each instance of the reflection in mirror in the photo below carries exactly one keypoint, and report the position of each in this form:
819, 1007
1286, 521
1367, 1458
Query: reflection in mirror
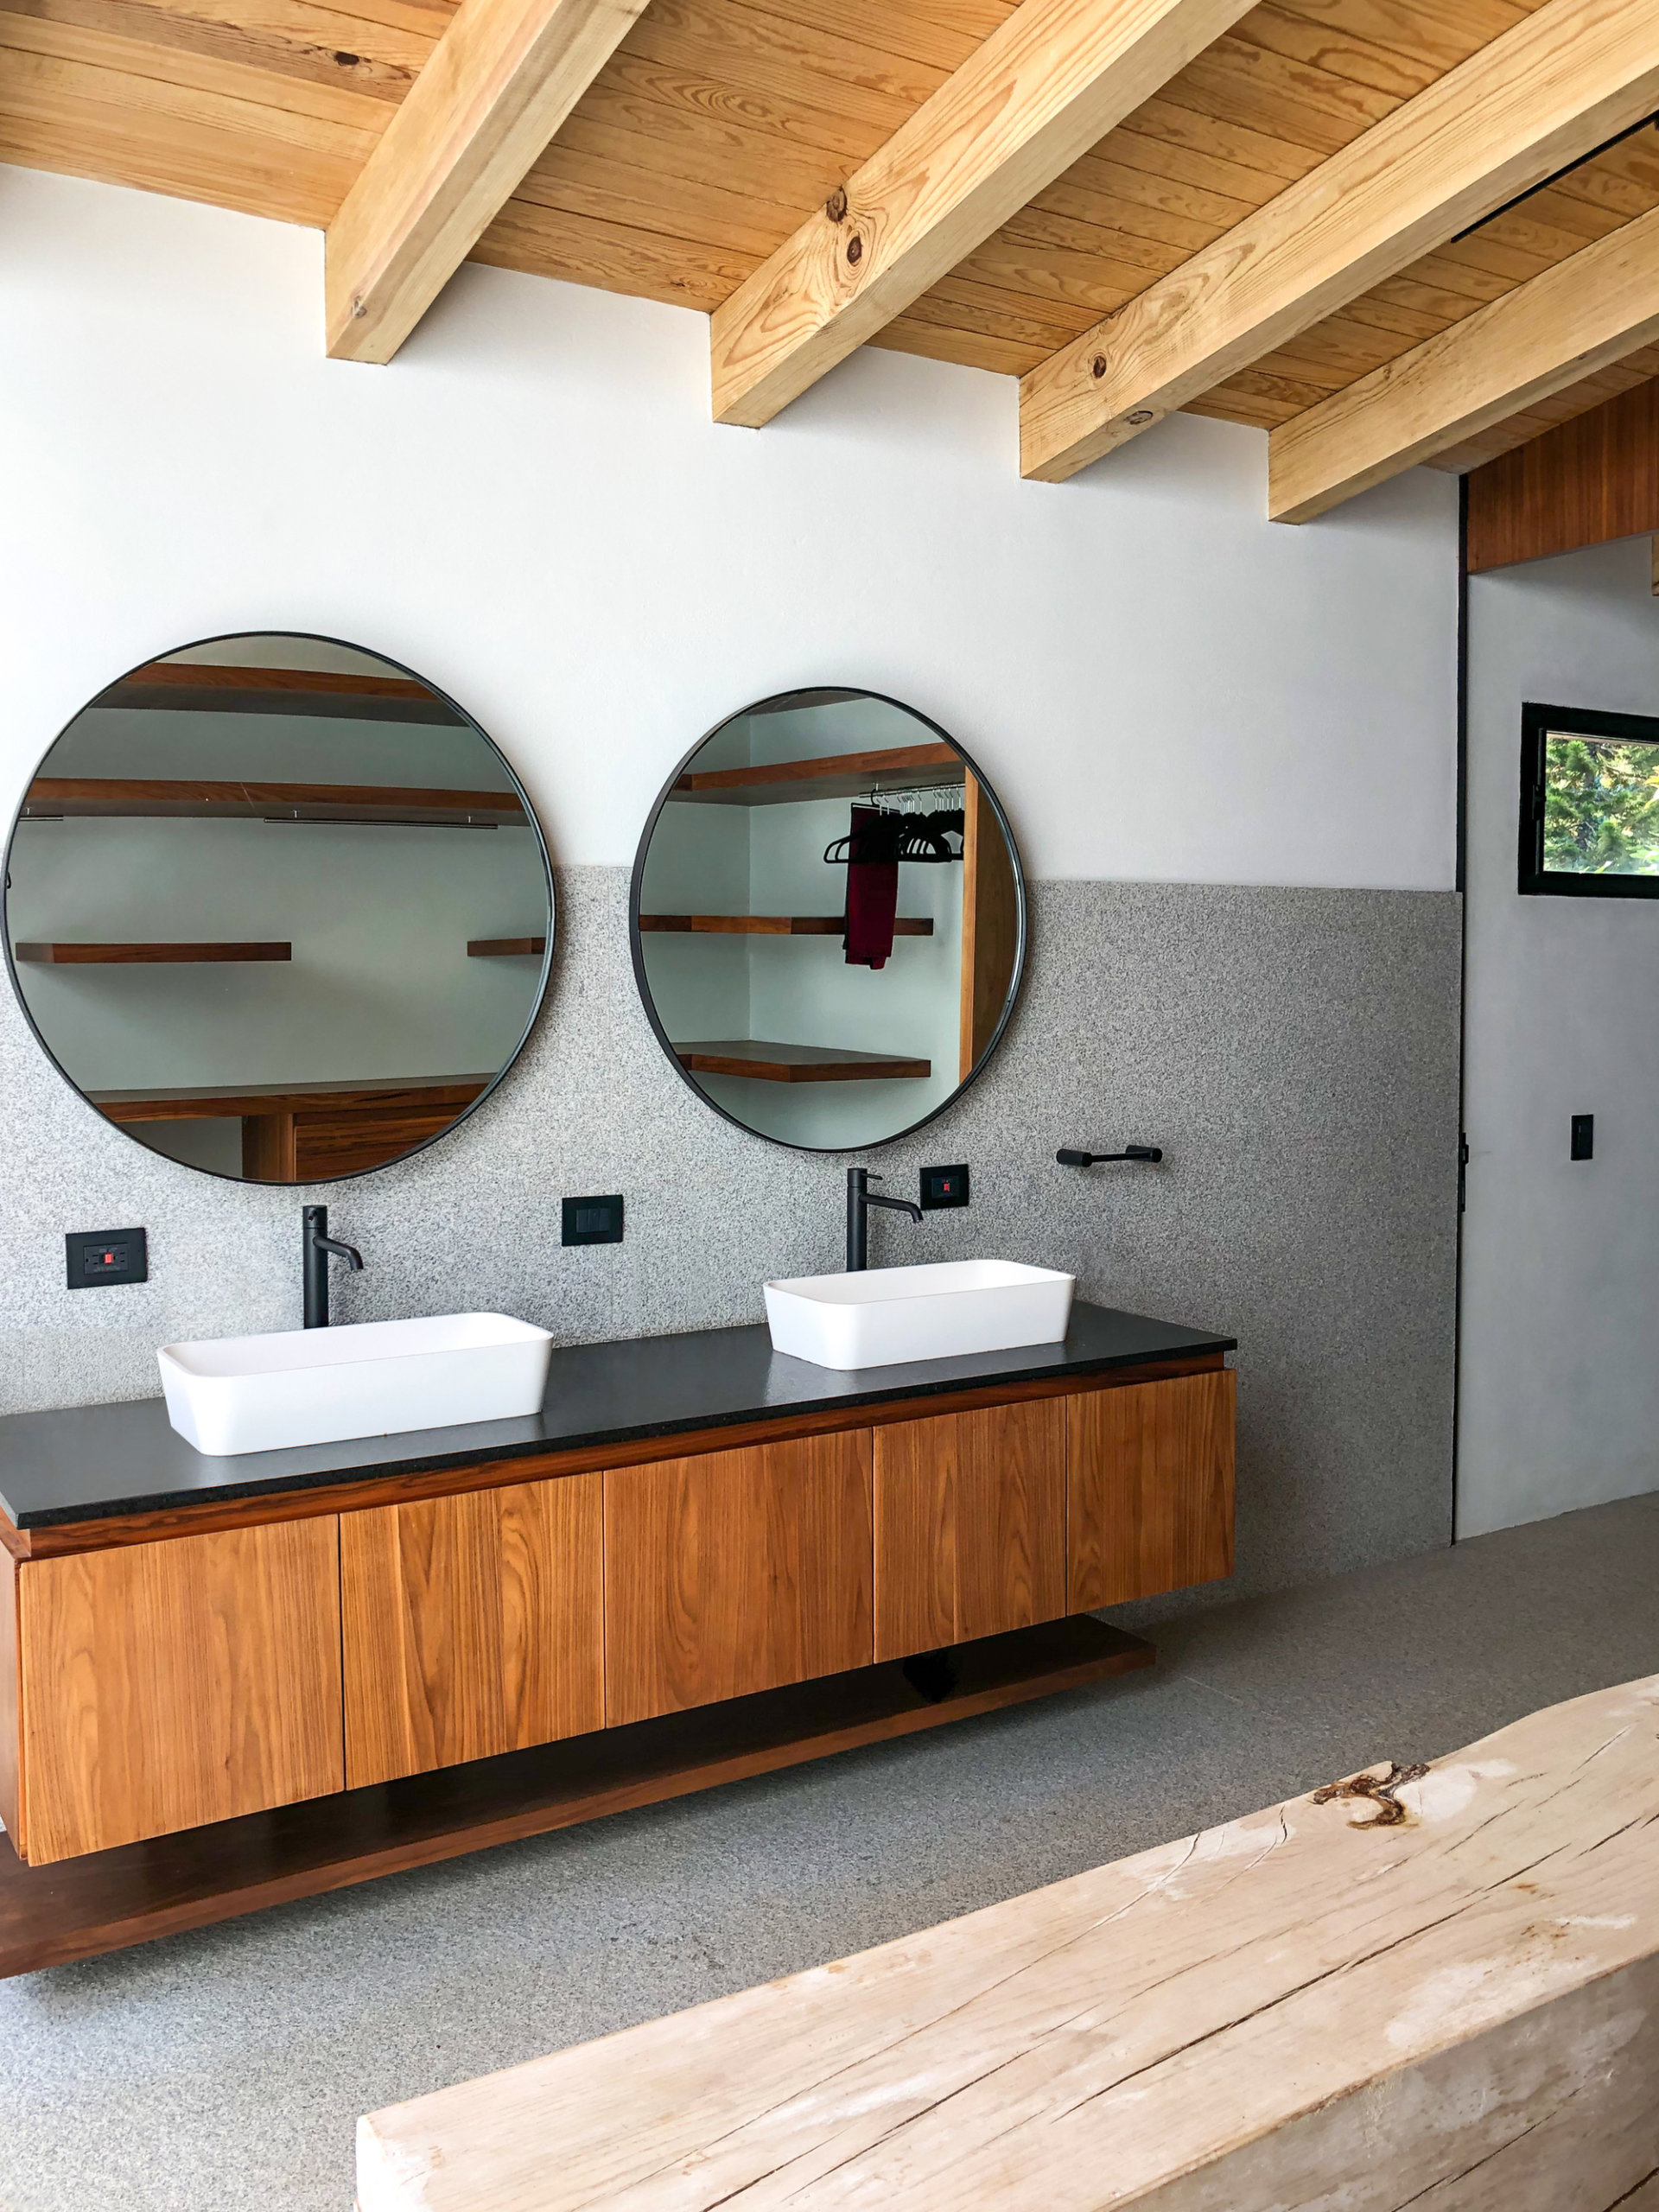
829, 919
277, 909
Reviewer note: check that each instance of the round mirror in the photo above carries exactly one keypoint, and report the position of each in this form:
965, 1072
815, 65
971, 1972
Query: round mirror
829, 918
277, 908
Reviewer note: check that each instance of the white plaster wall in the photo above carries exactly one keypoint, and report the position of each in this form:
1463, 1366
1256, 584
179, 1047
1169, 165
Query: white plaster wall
1559, 1384
532, 507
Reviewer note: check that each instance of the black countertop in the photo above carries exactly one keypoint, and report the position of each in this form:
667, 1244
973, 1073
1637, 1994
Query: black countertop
94, 1462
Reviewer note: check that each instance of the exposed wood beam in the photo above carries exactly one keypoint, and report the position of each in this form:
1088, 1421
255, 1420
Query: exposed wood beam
1587, 312
1047, 84
496, 87
1542, 96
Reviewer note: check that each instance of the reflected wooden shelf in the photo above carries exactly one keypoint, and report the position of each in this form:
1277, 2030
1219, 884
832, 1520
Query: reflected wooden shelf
153, 799
768, 925
306, 1132
841, 775
136, 956
199, 687
503, 948
765, 1063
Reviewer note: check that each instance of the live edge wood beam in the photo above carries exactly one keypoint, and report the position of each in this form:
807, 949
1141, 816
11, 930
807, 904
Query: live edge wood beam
1543, 95
1590, 310
1047, 85
496, 87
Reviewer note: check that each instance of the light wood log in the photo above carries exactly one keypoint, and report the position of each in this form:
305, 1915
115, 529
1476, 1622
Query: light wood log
499, 83
1585, 313
1442, 1994
1559, 84
1047, 83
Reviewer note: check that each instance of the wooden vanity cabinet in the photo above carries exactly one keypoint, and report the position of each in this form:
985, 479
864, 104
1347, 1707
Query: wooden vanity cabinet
969, 1525
470, 1625
1149, 1504
735, 1572
166, 1685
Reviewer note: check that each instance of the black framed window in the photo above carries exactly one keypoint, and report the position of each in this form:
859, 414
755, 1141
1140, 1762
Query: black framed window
1589, 803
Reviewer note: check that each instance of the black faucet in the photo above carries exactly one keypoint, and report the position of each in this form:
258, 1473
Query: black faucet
315, 1246
860, 1199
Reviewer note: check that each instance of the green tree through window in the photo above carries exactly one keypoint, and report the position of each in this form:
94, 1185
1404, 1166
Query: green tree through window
1601, 806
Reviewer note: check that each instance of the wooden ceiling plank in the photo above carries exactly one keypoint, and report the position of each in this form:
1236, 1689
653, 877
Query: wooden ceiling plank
1561, 82
612, 257
1436, 34
1249, 152
1165, 190
1071, 199
1038, 94
1578, 317
751, 57
777, 180
707, 99
617, 192
1239, 83
1293, 36
501, 81
967, 348
941, 35
315, 43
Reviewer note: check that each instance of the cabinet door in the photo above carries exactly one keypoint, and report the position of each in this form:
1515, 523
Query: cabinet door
1150, 1498
472, 1625
735, 1572
969, 1525
169, 1684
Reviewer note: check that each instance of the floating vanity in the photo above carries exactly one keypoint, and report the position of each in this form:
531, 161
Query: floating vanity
228, 1682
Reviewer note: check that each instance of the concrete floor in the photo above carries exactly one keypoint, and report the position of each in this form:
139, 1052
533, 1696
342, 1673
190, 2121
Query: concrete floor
225, 2069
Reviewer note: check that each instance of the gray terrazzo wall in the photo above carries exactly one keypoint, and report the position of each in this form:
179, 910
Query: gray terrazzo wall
1294, 1053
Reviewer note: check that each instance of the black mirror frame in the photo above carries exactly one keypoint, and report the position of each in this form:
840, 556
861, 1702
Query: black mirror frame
1021, 938
1536, 722
244, 1182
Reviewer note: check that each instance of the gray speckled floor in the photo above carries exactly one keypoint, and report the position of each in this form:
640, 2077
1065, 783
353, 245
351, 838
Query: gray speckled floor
224, 2070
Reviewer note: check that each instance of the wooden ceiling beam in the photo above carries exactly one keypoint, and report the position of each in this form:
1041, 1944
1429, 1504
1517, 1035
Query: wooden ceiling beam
1581, 316
498, 85
1045, 87
1544, 94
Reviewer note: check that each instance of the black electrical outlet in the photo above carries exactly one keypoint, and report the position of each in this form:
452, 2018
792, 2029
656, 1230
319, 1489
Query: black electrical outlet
594, 1221
944, 1186
105, 1255
1583, 1137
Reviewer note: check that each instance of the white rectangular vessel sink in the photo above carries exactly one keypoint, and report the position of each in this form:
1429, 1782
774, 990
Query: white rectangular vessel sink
886, 1316
369, 1378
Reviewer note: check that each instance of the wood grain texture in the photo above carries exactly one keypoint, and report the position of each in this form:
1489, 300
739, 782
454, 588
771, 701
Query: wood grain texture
1302, 2007
1149, 1496
735, 1572
837, 775
1539, 97
501, 81
166, 1685
133, 799
1589, 480
764, 1062
990, 926
127, 1896
445, 1479
1581, 315
133, 955
11, 1714
1026, 104
768, 925
970, 1526
470, 1625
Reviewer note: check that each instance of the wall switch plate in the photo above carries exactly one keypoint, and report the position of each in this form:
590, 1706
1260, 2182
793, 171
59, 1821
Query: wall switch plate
105, 1255
944, 1186
1583, 1137
593, 1221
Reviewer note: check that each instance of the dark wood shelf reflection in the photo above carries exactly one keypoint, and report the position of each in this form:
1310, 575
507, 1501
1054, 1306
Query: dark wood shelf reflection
768, 925
127, 956
767, 1062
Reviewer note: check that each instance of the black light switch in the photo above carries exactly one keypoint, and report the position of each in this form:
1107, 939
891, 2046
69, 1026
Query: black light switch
944, 1186
1583, 1137
593, 1221
105, 1255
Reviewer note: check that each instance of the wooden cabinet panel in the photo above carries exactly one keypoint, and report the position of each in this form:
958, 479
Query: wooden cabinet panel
11, 1770
470, 1625
737, 1571
969, 1525
1150, 1503
165, 1684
